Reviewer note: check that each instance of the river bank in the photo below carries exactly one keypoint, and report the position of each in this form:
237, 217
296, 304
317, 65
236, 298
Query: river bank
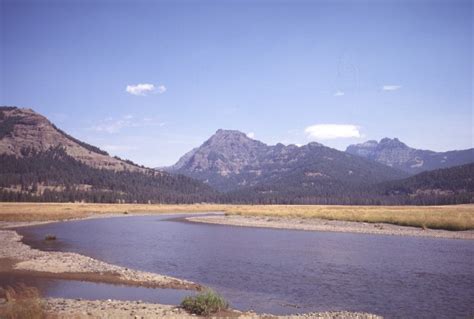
316, 224
72, 308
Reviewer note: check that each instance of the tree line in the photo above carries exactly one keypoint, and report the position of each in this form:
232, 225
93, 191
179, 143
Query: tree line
79, 182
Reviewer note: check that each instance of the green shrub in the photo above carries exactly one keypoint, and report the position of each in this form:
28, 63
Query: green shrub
205, 303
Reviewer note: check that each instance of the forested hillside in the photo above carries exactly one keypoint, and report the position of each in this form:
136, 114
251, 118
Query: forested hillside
453, 185
55, 176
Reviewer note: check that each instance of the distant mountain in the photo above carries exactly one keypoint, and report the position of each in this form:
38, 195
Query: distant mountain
396, 154
39, 162
230, 161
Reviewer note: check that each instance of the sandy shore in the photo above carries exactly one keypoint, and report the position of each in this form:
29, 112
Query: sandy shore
77, 308
111, 309
314, 224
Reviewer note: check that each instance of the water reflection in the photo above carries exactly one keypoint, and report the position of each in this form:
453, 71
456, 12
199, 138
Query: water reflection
59, 288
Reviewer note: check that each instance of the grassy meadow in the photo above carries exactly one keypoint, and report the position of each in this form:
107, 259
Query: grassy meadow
456, 217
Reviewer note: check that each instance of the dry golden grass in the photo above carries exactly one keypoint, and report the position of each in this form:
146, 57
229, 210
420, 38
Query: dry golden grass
63, 211
22, 303
456, 217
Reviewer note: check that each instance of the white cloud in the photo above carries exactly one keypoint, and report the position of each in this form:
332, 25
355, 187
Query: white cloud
111, 126
391, 87
143, 89
161, 89
114, 125
339, 93
332, 131
251, 134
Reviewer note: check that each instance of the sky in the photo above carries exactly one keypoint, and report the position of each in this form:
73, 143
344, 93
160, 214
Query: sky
150, 80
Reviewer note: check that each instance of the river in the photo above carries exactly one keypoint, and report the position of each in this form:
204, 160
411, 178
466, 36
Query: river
277, 271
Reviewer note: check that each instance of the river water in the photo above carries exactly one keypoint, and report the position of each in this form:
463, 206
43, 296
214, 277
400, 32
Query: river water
277, 271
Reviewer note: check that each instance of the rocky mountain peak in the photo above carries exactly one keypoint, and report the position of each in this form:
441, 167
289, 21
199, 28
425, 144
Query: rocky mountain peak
395, 153
392, 143
372, 145
315, 144
224, 132
229, 138
225, 153
230, 143
368, 144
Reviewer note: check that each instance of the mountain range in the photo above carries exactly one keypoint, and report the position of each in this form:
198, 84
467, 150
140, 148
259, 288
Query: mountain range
396, 154
40, 162
229, 160
247, 170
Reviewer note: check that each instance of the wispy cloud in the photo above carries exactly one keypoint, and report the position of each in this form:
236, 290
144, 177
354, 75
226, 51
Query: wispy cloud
332, 131
161, 89
110, 125
114, 125
391, 87
251, 134
339, 93
143, 89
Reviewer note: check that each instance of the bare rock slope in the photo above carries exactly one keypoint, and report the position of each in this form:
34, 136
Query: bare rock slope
24, 128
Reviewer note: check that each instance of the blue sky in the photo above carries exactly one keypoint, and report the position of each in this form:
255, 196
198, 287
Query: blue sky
338, 72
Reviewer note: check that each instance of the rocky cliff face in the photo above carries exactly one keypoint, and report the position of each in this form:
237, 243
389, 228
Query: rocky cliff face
22, 128
225, 153
396, 154
229, 160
